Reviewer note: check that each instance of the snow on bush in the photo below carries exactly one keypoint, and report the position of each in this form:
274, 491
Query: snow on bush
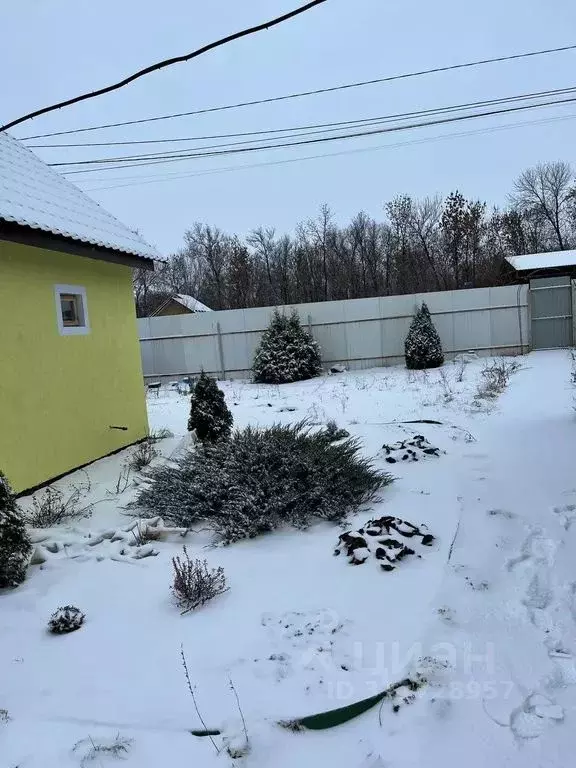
422, 347
15, 545
209, 414
66, 619
91, 751
376, 538
194, 583
410, 450
262, 479
287, 352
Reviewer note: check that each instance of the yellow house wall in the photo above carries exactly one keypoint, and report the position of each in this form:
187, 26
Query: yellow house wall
60, 394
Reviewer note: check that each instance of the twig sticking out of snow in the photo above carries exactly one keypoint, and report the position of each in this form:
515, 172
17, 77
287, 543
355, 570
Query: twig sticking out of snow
235, 692
191, 689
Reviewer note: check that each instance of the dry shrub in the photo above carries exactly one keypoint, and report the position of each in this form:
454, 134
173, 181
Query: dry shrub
52, 507
495, 378
194, 583
143, 455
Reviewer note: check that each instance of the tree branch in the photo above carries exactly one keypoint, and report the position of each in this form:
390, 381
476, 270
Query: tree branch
162, 64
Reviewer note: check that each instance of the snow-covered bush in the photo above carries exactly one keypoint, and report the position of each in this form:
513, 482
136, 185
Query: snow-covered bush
262, 479
333, 432
194, 583
15, 545
66, 619
287, 352
422, 347
209, 414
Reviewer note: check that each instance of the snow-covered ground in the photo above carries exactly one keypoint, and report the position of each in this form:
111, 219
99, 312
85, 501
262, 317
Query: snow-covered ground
488, 613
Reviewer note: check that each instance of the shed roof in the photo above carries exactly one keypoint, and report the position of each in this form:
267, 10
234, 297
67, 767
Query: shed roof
34, 195
191, 303
534, 261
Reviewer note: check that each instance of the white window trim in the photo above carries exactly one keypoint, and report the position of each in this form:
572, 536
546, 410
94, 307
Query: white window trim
71, 330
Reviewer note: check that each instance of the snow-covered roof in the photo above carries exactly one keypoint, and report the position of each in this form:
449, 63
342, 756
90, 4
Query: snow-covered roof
533, 261
33, 195
191, 303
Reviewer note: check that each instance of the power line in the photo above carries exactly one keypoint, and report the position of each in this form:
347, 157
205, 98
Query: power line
333, 125
193, 155
388, 79
163, 64
178, 176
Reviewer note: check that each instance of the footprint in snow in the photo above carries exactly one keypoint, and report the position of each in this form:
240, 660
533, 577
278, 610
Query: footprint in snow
566, 514
530, 719
501, 513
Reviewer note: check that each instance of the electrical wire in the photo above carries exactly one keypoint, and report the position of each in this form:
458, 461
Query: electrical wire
137, 181
162, 64
318, 91
330, 126
193, 155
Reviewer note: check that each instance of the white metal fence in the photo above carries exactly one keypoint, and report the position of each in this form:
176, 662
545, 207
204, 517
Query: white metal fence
362, 333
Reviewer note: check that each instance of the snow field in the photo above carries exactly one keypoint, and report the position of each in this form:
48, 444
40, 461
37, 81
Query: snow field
487, 613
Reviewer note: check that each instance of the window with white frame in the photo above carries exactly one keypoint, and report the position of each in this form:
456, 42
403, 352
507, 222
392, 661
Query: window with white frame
71, 310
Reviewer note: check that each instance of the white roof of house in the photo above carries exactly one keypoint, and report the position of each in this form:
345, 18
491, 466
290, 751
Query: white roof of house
533, 261
32, 194
191, 303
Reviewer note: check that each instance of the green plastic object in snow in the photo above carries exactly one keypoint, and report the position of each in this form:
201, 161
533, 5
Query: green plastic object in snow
334, 717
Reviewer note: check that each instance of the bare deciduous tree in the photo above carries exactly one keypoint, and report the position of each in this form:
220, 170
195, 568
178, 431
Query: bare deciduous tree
547, 189
421, 245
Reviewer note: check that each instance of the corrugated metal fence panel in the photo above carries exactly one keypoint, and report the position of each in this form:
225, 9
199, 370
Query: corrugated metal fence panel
360, 332
551, 305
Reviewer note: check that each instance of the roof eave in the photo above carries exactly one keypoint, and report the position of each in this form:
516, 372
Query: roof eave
24, 235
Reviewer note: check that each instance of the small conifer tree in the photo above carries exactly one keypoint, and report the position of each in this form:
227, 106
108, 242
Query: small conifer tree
422, 347
209, 414
287, 352
15, 545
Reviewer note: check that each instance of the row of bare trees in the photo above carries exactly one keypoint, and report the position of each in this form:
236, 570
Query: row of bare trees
420, 245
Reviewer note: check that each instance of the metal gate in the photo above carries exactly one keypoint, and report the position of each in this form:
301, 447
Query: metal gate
551, 308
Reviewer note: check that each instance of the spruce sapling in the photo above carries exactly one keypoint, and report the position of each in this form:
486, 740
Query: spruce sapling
209, 414
422, 347
287, 352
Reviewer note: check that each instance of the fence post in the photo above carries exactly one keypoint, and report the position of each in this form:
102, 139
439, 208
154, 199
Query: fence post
221, 352
573, 284
310, 324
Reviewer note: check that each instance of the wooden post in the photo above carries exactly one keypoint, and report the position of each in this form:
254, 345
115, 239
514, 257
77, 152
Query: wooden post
221, 352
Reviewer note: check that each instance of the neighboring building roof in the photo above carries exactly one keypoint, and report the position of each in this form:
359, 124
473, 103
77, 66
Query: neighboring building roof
33, 195
191, 303
533, 261
188, 302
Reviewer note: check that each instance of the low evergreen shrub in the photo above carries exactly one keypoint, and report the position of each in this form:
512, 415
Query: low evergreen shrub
262, 479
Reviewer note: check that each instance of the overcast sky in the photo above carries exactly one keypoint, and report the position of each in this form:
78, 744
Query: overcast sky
54, 49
